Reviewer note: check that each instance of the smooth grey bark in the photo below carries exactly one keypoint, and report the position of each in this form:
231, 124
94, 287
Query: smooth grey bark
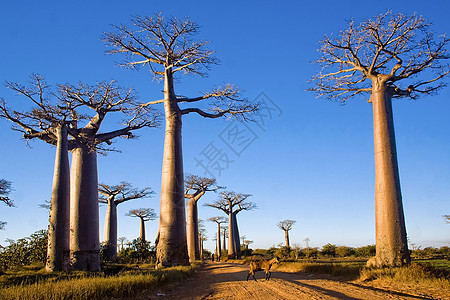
219, 246
192, 231
110, 234
391, 243
58, 230
172, 244
84, 214
231, 233
286, 238
142, 230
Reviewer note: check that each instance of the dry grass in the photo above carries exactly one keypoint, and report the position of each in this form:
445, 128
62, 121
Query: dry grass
337, 269
420, 275
88, 286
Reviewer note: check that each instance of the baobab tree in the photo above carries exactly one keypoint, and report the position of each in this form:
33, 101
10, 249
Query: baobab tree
286, 225
219, 220
233, 203
122, 240
196, 187
224, 235
167, 47
5, 190
383, 57
113, 195
144, 214
53, 118
50, 120
103, 98
247, 243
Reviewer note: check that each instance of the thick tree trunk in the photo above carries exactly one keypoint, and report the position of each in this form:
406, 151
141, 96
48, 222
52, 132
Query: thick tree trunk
391, 244
110, 235
192, 231
231, 238
84, 218
286, 238
58, 229
172, 248
219, 246
142, 230
237, 239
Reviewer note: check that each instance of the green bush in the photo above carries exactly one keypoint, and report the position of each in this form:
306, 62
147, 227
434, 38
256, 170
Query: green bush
26, 251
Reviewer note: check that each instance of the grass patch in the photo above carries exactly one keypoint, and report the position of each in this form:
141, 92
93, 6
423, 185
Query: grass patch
348, 269
418, 274
81, 285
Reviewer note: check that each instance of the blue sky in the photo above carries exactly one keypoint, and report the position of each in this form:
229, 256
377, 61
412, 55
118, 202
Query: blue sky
313, 162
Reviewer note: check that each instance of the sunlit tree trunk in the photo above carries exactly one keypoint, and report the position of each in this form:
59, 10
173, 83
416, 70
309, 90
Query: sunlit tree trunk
224, 242
110, 235
231, 237
192, 231
58, 230
286, 238
391, 244
172, 248
219, 246
142, 230
84, 219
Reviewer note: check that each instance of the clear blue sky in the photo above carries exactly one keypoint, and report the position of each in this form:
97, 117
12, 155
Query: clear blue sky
313, 163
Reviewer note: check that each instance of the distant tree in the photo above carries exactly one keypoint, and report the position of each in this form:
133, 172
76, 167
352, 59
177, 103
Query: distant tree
233, 203
307, 247
5, 190
247, 243
122, 240
329, 250
144, 214
344, 251
201, 236
297, 248
224, 235
167, 47
196, 187
286, 225
113, 195
366, 251
376, 57
218, 220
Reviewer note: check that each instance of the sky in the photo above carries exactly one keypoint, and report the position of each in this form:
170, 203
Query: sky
310, 160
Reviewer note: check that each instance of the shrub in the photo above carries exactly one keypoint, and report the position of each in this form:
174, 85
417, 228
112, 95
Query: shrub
328, 250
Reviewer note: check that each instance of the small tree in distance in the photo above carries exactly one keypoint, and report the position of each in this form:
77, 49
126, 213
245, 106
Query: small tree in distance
5, 190
286, 225
144, 214
114, 195
376, 57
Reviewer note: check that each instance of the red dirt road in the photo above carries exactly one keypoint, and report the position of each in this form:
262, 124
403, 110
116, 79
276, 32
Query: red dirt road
228, 281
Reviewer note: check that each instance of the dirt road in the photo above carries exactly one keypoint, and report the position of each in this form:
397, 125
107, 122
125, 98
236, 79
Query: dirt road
228, 281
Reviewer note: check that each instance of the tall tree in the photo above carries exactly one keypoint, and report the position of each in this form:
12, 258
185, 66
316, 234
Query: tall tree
122, 240
167, 46
144, 214
5, 190
233, 203
218, 220
196, 187
286, 225
103, 98
50, 120
113, 195
377, 57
